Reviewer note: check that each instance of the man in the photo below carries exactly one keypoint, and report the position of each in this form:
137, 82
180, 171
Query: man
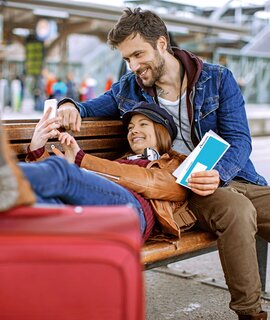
232, 200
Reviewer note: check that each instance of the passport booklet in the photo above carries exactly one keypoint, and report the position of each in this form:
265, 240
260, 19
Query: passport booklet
204, 157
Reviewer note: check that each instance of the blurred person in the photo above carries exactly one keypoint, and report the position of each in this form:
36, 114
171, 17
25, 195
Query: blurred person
71, 87
108, 83
82, 91
87, 89
16, 94
147, 185
50, 81
39, 92
59, 89
90, 84
232, 200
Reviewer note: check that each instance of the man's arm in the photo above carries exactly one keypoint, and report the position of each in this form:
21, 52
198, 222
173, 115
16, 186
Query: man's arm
71, 112
233, 127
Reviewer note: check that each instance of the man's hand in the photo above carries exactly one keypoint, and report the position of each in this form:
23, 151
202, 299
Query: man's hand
204, 183
70, 117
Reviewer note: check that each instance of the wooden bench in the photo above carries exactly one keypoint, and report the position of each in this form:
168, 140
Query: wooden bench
107, 138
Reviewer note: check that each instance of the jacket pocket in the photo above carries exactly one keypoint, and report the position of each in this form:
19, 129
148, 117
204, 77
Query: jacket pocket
125, 104
184, 217
209, 107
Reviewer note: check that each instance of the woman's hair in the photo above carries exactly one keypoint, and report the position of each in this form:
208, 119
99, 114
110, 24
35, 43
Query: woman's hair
164, 141
145, 23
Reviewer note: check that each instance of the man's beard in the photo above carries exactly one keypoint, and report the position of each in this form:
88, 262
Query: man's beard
157, 69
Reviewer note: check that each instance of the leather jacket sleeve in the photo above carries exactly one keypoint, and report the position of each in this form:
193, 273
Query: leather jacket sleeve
153, 182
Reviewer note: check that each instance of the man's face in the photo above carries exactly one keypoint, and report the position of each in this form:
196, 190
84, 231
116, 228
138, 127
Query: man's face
145, 61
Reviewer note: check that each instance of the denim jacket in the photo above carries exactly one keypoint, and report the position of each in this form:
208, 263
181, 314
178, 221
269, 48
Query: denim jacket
214, 102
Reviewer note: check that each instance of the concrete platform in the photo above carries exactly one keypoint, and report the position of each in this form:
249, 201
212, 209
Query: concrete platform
259, 119
185, 296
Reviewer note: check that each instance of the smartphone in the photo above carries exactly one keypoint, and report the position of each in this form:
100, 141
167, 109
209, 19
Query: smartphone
53, 104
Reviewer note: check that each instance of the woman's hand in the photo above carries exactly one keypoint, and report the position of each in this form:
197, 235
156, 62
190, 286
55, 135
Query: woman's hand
69, 145
204, 183
45, 129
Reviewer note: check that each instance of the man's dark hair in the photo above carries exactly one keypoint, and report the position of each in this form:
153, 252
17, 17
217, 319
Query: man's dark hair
145, 23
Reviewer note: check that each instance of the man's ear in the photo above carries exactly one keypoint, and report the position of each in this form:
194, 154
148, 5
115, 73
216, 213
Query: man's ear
162, 43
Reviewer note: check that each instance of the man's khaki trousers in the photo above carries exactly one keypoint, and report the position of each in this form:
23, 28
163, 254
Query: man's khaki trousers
235, 214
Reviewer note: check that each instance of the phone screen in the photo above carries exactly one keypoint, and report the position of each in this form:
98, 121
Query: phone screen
53, 104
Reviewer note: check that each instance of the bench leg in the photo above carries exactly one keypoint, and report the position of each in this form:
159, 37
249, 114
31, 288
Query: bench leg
262, 249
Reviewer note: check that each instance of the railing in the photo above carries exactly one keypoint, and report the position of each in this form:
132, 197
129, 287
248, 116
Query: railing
251, 72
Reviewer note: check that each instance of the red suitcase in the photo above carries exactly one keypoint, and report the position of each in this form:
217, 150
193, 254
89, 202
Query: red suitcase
70, 263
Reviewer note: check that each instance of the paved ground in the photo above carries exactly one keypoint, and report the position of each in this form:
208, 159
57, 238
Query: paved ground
178, 298
171, 297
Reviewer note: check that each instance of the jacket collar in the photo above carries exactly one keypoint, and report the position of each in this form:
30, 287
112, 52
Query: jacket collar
193, 67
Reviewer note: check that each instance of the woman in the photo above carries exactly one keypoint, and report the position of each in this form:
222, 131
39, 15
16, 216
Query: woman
148, 185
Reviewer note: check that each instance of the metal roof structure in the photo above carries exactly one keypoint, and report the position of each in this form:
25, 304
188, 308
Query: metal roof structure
202, 31
97, 20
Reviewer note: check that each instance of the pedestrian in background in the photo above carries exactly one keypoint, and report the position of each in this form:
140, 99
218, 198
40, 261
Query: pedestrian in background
59, 89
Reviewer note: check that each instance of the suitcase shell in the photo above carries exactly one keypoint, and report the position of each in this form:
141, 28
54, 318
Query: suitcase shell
70, 263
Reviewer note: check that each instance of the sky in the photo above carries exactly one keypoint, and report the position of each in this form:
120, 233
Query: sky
205, 3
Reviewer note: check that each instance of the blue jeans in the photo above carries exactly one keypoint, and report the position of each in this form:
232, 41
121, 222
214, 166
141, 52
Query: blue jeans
55, 181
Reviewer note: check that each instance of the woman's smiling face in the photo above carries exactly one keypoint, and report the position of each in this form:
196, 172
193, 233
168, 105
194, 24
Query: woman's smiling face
141, 134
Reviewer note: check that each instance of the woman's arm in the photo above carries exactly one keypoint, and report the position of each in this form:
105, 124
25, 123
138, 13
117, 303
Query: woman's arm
152, 183
45, 129
70, 146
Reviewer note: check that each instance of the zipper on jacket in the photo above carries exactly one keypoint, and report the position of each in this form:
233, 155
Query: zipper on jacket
191, 99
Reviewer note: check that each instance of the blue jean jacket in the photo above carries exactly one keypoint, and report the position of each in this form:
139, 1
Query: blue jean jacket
217, 104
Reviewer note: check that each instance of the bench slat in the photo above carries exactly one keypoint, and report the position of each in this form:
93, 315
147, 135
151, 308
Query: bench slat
103, 138
164, 252
101, 129
89, 146
90, 128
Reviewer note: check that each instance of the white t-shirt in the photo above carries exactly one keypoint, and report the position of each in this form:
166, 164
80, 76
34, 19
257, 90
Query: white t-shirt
173, 109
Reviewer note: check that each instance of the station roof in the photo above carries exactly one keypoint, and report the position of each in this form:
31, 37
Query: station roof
95, 19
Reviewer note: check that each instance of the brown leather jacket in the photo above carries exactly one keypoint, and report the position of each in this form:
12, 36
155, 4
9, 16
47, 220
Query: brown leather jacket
155, 182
